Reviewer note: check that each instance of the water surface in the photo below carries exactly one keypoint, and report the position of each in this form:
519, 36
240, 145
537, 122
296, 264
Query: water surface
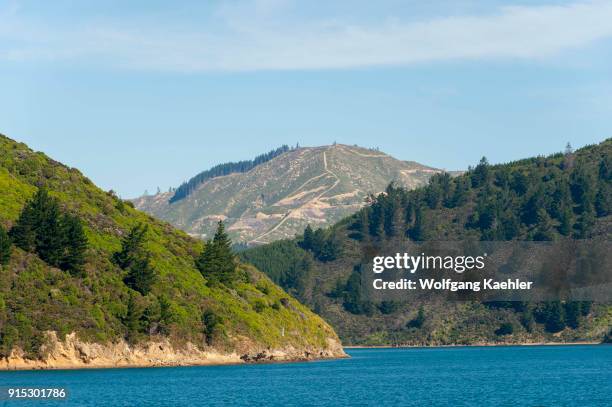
458, 376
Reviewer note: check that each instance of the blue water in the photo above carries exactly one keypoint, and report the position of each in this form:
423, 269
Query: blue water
462, 376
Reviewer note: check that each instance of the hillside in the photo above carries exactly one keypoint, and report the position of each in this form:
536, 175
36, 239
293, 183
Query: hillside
279, 197
128, 291
563, 196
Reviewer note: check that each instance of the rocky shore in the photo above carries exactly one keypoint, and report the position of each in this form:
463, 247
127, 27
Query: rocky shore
73, 353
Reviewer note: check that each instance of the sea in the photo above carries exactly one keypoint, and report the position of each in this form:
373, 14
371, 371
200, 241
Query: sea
578, 375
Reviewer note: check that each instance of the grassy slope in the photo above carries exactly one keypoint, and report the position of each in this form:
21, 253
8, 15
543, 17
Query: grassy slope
447, 323
35, 297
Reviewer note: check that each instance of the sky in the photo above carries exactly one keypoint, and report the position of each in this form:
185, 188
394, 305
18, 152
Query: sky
146, 94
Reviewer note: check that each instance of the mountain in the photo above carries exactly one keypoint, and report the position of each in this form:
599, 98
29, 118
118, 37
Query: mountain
87, 280
563, 197
278, 197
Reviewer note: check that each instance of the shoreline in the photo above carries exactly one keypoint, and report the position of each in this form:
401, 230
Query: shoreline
37, 366
73, 354
474, 345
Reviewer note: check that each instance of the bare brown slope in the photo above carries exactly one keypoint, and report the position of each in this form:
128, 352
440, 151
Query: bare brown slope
318, 186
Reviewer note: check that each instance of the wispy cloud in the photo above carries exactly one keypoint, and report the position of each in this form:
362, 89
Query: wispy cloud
248, 39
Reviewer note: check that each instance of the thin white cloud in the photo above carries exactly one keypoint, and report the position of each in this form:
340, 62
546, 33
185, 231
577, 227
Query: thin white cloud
242, 44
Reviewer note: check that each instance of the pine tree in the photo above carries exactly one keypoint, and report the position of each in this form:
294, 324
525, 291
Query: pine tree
132, 319
376, 228
318, 242
544, 229
555, 318
585, 223
306, 243
361, 225
134, 259
418, 232
140, 276
37, 228
566, 222
50, 239
603, 200
481, 174
572, 314
217, 261
131, 247
57, 238
76, 244
5, 247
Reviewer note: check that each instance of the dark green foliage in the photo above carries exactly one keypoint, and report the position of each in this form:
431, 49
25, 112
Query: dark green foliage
554, 316
132, 319
603, 199
566, 223
140, 276
544, 230
355, 300
134, 259
585, 308
572, 314
505, 329
38, 229
225, 169
360, 228
419, 320
217, 262
325, 245
131, 247
307, 241
388, 307
481, 174
75, 245
57, 238
212, 326
5, 246
286, 263
420, 230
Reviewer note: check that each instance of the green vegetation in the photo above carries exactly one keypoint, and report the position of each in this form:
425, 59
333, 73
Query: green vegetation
57, 238
563, 196
217, 262
325, 245
85, 261
225, 169
134, 259
5, 247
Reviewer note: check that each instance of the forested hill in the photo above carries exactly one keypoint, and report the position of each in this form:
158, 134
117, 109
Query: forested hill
278, 198
225, 169
563, 196
76, 259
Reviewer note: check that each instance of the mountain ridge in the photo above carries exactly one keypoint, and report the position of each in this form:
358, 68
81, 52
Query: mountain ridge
277, 198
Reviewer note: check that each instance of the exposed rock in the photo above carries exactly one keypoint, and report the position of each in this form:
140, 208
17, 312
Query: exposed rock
73, 353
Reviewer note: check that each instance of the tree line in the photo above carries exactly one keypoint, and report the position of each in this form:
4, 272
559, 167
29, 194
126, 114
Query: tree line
219, 170
43, 228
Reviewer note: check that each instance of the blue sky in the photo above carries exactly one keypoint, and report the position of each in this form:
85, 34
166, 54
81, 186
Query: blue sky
144, 94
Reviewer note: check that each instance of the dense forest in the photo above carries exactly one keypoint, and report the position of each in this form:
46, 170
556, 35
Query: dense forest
76, 259
225, 169
563, 196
